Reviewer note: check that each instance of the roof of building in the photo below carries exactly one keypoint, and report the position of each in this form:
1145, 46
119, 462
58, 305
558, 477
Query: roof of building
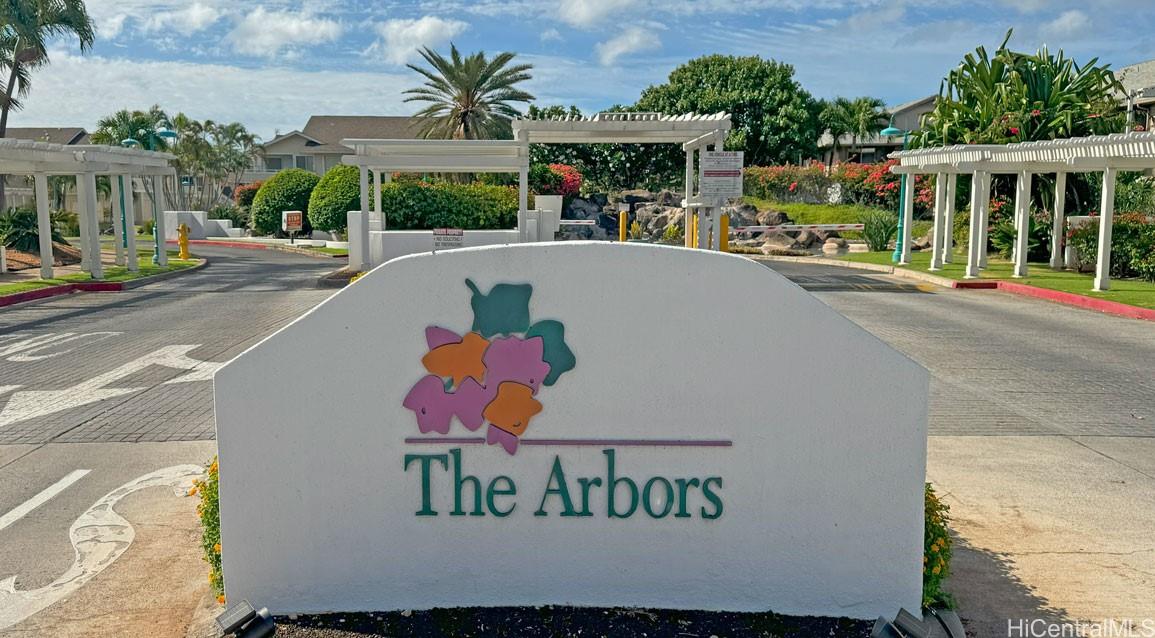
53, 134
329, 130
1137, 76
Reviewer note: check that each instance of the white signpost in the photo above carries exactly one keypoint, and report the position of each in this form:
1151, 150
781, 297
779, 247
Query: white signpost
498, 439
292, 221
447, 238
720, 175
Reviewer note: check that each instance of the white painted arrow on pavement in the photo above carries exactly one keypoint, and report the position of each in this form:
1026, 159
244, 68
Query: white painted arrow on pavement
29, 404
5, 389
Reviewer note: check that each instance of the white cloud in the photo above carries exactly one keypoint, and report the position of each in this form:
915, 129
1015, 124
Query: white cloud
551, 35
400, 39
586, 13
265, 33
206, 91
1067, 24
111, 26
191, 19
632, 40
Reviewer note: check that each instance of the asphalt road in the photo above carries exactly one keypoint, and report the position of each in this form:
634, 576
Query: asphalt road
1042, 419
98, 389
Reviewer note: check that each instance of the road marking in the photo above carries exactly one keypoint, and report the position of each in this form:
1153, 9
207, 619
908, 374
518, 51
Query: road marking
4, 389
29, 404
98, 537
43, 497
20, 347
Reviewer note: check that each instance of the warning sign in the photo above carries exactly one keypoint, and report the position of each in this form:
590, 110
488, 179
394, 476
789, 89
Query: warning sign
447, 238
721, 175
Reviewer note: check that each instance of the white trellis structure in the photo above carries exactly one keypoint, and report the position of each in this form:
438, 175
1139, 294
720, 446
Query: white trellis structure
41, 159
378, 159
1106, 154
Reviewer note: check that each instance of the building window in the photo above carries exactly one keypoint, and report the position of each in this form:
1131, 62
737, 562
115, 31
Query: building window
304, 162
274, 163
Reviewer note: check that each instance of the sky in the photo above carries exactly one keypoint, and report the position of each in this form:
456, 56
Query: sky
272, 64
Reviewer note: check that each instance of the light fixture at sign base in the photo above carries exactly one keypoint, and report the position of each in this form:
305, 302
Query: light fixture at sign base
242, 621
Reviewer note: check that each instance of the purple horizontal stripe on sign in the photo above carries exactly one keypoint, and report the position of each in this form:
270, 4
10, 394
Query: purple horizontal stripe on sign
584, 442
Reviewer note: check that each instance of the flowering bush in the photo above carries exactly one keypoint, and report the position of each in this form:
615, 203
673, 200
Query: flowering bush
571, 179
210, 514
886, 185
787, 183
936, 551
245, 193
1132, 246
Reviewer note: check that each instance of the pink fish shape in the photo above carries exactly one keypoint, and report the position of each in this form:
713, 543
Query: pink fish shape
515, 359
436, 336
498, 436
435, 408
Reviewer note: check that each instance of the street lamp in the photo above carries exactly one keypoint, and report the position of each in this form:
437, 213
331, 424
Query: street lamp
891, 131
150, 144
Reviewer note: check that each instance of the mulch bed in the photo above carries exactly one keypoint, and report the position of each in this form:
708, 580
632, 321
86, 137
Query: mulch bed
62, 255
558, 622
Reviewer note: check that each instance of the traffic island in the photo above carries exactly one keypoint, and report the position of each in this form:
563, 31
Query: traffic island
117, 278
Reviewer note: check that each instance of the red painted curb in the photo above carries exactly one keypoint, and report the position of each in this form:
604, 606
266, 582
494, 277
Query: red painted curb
33, 295
976, 285
98, 286
1081, 301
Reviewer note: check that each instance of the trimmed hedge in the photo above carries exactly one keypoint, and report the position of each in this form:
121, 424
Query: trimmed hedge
422, 206
338, 192
287, 190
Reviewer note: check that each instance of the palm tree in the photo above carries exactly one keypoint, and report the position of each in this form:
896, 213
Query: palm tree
835, 117
866, 117
25, 28
469, 98
142, 126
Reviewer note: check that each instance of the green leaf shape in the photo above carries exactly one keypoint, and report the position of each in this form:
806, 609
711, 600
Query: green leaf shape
556, 353
505, 310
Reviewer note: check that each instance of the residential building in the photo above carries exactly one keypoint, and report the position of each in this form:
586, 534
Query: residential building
907, 116
1138, 82
318, 147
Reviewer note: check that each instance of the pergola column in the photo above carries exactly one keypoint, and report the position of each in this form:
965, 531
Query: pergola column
985, 221
1106, 221
937, 239
1059, 223
43, 224
158, 205
907, 218
522, 182
130, 224
115, 195
1023, 222
687, 241
386, 177
363, 231
947, 244
90, 231
980, 199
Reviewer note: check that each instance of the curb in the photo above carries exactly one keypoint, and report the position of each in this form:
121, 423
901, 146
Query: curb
255, 246
93, 286
1011, 287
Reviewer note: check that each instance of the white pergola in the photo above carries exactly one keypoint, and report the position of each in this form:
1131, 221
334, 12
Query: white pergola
1106, 154
41, 159
383, 157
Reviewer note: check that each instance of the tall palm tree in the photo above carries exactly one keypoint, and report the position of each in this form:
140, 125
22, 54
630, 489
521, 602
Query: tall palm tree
835, 117
469, 97
25, 28
866, 117
142, 126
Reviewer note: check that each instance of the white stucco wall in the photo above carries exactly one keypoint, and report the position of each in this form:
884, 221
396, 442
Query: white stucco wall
822, 484
385, 245
195, 219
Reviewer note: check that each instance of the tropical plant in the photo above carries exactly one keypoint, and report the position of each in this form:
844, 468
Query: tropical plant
243, 195
672, 234
636, 230
469, 97
26, 28
289, 189
859, 118
1014, 97
937, 550
1003, 236
19, 230
879, 228
773, 118
338, 192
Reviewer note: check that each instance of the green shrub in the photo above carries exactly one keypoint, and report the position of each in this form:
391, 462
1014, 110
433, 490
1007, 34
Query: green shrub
287, 190
237, 215
1135, 194
936, 551
20, 230
879, 228
65, 223
147, 227
1002, 237
1132, 246
210, 514
673, 234
338, 192
423, 206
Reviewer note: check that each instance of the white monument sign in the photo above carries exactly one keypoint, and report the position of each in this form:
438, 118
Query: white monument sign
721, 175
480, 427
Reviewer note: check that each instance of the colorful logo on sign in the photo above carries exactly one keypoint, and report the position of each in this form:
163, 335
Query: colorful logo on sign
492, 374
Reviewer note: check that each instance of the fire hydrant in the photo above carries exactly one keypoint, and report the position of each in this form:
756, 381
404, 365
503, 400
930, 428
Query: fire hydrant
182, 240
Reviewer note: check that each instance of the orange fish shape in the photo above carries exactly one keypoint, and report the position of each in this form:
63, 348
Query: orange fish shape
458, 360
513, 407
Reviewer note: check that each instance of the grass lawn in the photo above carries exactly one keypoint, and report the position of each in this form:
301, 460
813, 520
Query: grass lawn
344, 252
1129, 291
111, 273
803, 213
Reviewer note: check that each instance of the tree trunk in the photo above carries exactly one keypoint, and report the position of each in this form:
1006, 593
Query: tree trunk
4, 109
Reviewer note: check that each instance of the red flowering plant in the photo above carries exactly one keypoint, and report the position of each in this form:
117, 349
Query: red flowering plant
886, 184
571, 179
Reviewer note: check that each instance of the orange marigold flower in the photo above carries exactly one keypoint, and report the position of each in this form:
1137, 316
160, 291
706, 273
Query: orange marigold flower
221, 599
217, 548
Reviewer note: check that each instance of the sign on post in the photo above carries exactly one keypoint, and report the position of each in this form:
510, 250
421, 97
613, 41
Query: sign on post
292, 221
447, 238
462, 429
720, 175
